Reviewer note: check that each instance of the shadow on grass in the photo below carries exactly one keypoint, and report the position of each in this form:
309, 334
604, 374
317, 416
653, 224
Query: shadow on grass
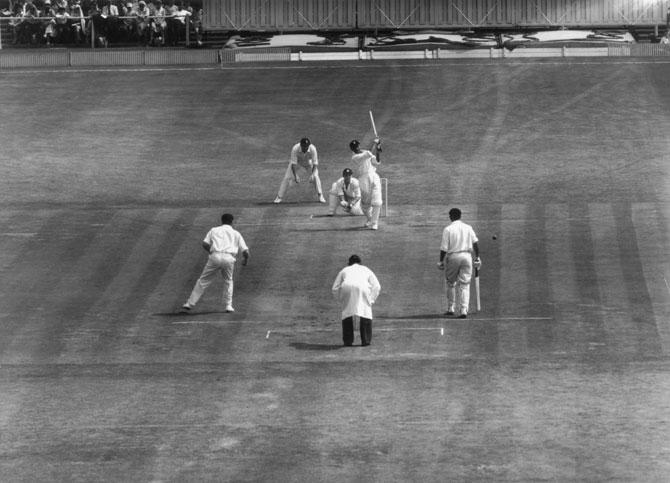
178, 313
283, 203
335, 228
303, 346
413, 317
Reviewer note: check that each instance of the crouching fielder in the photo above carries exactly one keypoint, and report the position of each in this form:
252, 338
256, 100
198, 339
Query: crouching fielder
346, 193
365, 164
459, 242
304, 159
357, 288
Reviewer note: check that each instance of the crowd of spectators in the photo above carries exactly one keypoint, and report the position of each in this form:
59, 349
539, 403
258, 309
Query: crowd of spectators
103, 22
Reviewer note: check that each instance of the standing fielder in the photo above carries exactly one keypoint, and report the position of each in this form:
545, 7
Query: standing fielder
346, 192
303, 158
223, 243
459, 242
365, 169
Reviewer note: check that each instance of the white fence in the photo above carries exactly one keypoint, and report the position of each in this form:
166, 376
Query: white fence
106, 57
177, 56
436, 54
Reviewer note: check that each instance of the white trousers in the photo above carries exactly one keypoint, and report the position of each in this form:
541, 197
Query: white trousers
289, 180
216, 262
371, 195
458, 274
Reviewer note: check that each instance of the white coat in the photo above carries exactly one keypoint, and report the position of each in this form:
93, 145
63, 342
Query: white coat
357, 287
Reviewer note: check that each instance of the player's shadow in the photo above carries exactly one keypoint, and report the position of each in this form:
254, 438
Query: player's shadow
335, 228
178, 313
304, 346
283, 203
411, 317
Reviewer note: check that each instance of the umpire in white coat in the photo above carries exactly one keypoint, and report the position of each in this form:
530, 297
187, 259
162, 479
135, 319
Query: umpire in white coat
357, 287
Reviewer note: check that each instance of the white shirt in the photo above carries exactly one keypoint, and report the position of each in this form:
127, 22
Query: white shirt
225, 239
181, 15
306, 160
357, 287
111, 10
351, 192
364, 162
458, 237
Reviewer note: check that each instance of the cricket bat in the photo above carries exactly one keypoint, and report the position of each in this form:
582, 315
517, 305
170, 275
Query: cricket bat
372, 121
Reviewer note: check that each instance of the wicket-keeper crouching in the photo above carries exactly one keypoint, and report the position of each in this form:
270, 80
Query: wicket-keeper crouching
346, 193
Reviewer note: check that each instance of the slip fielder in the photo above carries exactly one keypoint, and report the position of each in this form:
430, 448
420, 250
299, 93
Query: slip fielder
304, 158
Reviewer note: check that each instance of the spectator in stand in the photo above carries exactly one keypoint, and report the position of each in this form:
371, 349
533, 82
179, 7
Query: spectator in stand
158, 23
176, 22
28, 28
49, 23
129, 14
16, 12
110, 13
62, 24
97, 25
170, 26
142, 22
172, 8
77, 22
110, 9
196, 24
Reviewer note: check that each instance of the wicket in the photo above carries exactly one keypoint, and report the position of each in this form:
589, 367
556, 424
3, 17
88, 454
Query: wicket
385, 184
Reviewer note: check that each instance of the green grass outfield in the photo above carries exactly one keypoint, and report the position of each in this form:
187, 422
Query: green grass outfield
110, 178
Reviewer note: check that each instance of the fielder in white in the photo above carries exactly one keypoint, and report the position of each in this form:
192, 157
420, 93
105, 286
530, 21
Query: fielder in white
459, 243
223, 243
304, 160
365, 164
345, 193
357, 288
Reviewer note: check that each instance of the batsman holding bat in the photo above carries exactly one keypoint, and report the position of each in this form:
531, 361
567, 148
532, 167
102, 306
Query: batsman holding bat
365, 164
459, 243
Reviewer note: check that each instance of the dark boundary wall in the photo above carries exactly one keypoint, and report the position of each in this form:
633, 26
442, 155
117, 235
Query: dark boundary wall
342, 15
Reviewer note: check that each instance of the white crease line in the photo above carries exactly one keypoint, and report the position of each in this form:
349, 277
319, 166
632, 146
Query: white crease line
511, 318
383, 329
470, 319
391, 329
188, 322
